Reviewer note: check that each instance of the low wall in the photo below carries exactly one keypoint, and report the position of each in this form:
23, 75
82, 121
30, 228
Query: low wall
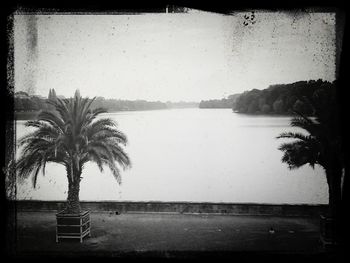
178, 207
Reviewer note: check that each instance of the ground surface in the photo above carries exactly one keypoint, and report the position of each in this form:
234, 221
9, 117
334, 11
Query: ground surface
170, 235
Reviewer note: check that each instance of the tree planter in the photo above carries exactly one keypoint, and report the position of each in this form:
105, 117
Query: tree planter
327, 231
73, 225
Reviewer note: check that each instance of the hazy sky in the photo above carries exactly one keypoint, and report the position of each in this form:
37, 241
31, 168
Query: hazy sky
189, 57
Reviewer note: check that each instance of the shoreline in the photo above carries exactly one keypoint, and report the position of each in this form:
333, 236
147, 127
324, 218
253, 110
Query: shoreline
178, 207
31, 115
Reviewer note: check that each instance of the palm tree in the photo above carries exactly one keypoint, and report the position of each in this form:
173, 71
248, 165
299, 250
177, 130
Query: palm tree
321, 144
72, 135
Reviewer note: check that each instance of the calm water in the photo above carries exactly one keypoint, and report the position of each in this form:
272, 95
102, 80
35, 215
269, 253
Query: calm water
209, 155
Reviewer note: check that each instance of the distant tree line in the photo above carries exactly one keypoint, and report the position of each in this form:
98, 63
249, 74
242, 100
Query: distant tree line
280, 98
219, 104
276, 99
127, 105
181, 104
25, 103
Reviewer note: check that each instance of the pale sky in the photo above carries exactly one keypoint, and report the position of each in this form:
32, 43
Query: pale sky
188, 57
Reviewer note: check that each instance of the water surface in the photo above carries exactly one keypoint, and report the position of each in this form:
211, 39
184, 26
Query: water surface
204, 155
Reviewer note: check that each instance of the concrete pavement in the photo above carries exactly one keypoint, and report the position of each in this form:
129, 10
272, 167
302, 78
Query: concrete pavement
172, 235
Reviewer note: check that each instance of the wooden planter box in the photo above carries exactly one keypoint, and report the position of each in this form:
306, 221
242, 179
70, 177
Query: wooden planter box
73, 225
327, 231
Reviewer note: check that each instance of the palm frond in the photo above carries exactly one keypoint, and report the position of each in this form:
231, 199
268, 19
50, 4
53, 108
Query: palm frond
95, 156
294, 135
99, 125
120, 156
52, 118
115, 172
299, 153
306, 123
109, 133
104, 149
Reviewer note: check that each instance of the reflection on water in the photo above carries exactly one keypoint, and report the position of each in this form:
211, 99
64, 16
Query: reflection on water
209, 155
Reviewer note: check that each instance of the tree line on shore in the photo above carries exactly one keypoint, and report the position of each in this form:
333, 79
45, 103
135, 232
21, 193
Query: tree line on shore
225, 103
26, 103
276, 99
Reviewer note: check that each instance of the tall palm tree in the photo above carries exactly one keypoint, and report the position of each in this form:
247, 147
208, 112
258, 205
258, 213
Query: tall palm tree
72, 135
320, 144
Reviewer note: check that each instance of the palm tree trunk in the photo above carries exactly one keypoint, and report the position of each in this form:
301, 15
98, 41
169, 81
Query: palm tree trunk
344, 215
334, 184
73, 203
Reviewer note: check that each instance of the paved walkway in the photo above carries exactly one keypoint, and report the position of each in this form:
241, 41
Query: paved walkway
170, 235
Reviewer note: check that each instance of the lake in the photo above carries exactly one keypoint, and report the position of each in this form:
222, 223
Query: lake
198, 155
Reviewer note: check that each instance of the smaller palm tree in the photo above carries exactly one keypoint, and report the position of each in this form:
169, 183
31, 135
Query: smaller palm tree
319, 144
72, 135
